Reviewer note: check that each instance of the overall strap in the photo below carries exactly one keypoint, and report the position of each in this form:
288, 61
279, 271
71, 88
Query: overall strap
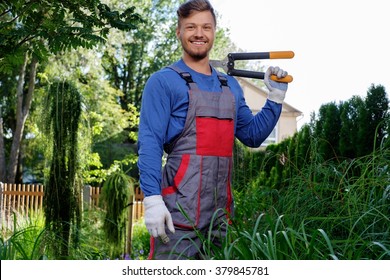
224, 82
192, 85
185, 75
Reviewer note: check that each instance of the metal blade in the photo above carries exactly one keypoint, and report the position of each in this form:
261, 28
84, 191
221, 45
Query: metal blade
219, 64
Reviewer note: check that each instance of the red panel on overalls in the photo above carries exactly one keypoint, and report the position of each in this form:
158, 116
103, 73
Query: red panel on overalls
196, 177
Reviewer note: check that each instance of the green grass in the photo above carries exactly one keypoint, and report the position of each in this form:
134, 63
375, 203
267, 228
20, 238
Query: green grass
337, 209
26, 241
30, 240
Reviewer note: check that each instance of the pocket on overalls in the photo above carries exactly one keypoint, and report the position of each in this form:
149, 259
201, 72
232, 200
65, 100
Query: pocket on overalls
214, 137
181, 196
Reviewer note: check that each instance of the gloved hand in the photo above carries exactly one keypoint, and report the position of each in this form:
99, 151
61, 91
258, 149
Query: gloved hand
156, 216
277, 90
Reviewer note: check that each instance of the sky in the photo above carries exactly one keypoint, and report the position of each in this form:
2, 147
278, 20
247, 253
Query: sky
341, 47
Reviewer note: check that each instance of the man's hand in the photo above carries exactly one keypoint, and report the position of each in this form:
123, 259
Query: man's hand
277, 90
156, 216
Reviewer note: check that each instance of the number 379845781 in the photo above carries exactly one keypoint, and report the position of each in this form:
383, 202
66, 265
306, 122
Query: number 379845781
231, 270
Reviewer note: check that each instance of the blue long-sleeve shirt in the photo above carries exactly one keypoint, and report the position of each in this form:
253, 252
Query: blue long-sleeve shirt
163, 114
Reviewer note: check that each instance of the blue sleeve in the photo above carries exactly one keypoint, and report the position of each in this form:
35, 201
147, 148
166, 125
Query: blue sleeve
253, 130
154, 119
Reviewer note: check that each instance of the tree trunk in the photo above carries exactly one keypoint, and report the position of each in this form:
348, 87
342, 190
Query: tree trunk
22, 111
129, 227
2, 151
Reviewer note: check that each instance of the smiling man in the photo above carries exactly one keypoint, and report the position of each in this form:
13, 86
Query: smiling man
196, 33
194, 113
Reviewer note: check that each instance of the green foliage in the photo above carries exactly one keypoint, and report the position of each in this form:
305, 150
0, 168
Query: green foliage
140, 245
37, 30
45, 27
62, 192
132, 57
351, 119
93, 241
104, 121
327, 129
272, 239
29, 239
372, 128
26, 240
352, 128
337, 217
115, 198
318, 194
331, 139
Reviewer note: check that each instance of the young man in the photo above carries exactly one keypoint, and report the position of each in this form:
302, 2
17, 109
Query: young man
193, 113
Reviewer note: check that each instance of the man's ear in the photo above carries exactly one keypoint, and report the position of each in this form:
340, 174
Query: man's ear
177, 32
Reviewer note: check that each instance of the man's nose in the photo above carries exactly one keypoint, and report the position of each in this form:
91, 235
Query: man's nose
199, 31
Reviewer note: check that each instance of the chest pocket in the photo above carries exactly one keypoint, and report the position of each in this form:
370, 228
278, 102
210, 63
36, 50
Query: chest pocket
214, 117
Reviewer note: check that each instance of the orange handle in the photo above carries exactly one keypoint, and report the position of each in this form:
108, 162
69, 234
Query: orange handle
281, 54
287, 79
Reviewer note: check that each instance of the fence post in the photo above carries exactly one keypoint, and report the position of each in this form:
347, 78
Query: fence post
1, 202
86, 194
130, 225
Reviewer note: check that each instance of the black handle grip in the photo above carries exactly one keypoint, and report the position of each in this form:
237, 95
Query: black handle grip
246, 74
258, 75
248, 56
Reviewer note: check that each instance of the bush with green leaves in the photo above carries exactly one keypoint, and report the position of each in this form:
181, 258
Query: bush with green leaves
140, 241
26, 239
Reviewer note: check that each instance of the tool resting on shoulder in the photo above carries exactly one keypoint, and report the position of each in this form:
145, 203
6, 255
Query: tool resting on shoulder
227, 64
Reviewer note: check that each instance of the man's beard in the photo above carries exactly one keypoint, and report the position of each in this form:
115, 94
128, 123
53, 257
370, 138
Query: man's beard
196, 55
199, 56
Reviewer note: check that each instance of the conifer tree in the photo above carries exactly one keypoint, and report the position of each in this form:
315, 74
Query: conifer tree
62, 189
372, 127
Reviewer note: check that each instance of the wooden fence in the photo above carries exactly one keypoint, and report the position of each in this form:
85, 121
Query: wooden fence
24, 199
91, 197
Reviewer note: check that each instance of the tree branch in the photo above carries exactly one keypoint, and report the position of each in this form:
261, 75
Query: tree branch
5, 12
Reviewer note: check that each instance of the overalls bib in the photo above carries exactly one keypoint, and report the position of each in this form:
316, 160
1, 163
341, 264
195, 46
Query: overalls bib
196, 180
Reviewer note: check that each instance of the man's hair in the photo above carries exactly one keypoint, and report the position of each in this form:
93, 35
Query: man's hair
186, 9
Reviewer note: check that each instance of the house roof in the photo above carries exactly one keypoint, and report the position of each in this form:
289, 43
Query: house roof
287, 108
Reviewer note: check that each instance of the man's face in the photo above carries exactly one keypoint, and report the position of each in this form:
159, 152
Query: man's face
196, 34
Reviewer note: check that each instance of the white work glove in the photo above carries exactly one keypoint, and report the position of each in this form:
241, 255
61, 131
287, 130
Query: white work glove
156, 216
277, 90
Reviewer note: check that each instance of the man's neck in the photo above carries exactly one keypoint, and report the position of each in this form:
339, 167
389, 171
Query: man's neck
200, 66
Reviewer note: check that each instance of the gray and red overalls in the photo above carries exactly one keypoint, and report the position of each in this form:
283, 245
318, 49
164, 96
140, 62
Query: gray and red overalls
196, 180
